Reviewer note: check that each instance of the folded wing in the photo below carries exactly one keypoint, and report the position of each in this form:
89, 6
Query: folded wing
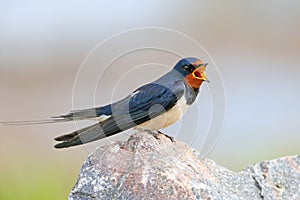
145, 103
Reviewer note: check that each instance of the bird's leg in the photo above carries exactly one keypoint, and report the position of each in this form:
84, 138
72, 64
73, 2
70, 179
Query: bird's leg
155, 133
170, 137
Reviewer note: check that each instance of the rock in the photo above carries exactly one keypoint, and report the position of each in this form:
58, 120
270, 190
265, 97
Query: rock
148, 168
278, 179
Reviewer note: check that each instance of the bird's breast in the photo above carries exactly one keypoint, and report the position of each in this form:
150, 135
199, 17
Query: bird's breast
168, 118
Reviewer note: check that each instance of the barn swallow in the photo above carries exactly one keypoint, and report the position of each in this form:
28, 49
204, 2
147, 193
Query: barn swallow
152, 106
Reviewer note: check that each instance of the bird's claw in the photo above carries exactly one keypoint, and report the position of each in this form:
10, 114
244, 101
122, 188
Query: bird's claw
159, 132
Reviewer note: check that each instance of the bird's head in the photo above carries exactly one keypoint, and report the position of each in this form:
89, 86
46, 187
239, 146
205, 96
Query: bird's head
192, 70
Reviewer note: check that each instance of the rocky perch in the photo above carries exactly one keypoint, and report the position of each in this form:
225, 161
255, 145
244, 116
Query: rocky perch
148, 168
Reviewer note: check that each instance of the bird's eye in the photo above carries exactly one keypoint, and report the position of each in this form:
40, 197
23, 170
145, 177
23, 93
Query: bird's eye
189, 68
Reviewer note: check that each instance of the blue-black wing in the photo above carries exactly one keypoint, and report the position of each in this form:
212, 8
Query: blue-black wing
143, 104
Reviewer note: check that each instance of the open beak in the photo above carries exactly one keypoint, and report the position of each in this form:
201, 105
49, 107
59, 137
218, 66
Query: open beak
199, 73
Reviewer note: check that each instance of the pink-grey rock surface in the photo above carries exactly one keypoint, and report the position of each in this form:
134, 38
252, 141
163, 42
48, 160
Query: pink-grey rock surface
148, 168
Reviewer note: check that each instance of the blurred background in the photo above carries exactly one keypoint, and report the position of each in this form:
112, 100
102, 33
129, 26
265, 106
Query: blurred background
255, 44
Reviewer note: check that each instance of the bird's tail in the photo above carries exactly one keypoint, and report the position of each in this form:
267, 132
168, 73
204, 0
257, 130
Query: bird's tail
81, 136
31, 122
85, 114
91, 133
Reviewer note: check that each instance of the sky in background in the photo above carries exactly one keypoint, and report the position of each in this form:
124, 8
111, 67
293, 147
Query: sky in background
254, 44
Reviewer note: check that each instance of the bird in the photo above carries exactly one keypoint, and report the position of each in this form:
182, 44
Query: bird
151, 107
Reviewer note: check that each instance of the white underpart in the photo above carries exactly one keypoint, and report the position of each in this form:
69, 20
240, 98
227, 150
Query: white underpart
168, 118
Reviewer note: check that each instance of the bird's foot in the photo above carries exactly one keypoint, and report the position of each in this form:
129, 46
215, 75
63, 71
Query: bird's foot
156, 133
170, 137
153, 133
